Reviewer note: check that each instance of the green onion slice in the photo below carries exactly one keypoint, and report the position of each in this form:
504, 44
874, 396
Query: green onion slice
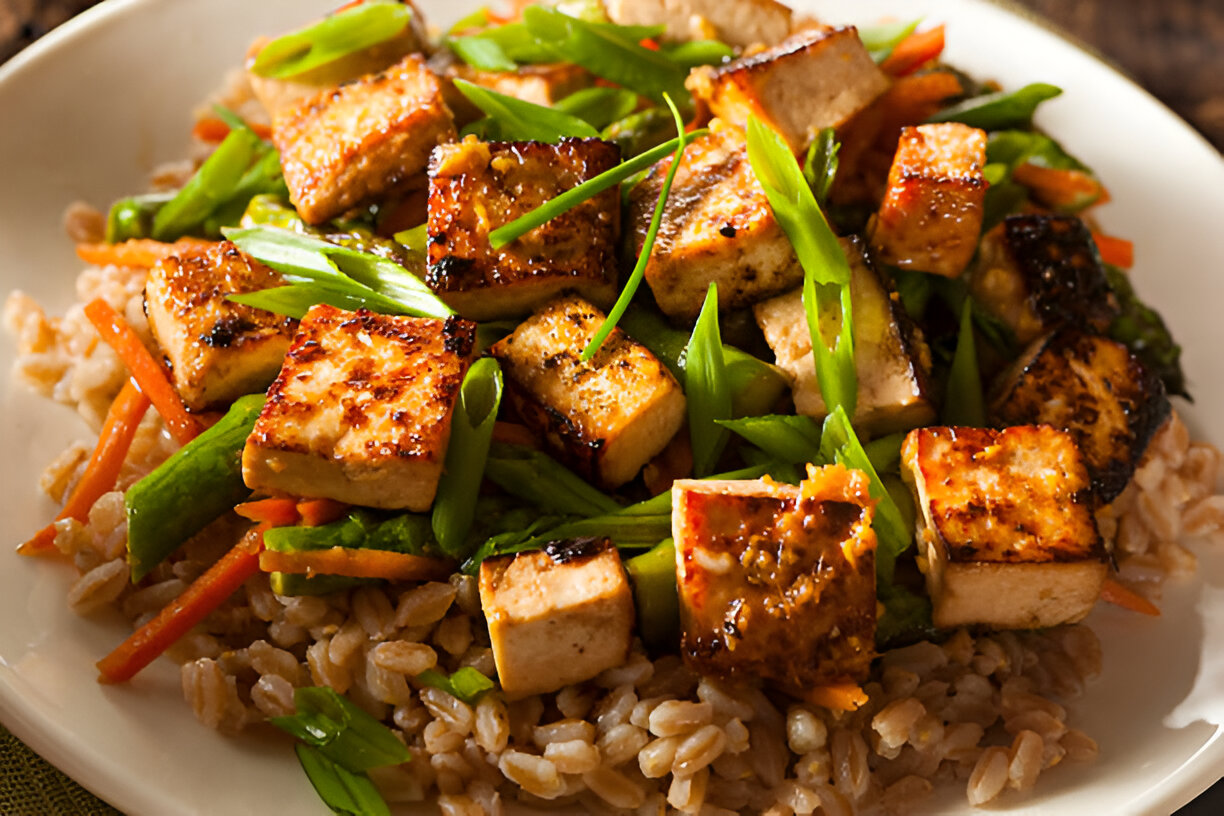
333, 37
344, 792
705, 387
514, 120
880, 40
964, 403
538, 478
341, 731
466, 684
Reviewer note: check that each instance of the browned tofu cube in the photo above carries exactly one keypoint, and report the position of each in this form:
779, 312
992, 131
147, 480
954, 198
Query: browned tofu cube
218, 350
1096, 390
1007, 538
931, 217
557, 616
476, 187
890, 355
606, 417
1036, 273
361, 411
814, 79
543, 84
369, 138
717, 227
777, 581
735, 22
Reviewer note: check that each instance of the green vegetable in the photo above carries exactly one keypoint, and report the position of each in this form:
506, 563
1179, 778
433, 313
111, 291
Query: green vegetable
344, 792
599, 107
964, 403
471, 431
414, 239
641, 131
291, 584
999, 111
906, 618
884, 453
692, 53
407, 533
639, 268
820, 164
267, 210
915, 289
836, 373
341, 731
787, 438
1142, 330
538, 478
1008, 149
466, 684
333, 37
880, 40
655, 594
482, 53
198, 483
132, 217
513, 120
705, 387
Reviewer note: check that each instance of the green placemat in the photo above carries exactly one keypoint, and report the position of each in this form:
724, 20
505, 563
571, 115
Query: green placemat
31, 786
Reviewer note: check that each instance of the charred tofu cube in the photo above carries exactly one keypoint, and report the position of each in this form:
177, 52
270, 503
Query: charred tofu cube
218, 350
476, 187
1094, 389
1036, 273
814, 79
1007, 536
736, 22
557, 616
361, 411
369, 138
931, 217
717, 227
890, 355
606, 417
777, 581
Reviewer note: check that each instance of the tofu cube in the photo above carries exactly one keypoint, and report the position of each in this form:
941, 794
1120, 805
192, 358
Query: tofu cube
1036, 273
890, 355
218, 350
717, 226
931, 217
475, 187
607, 417
1007, 536
557, 616
361, 411
812, 80
350, 145
777, 581
1094, 389
738, 23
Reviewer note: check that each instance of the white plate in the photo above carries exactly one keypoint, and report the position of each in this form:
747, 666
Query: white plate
88, 111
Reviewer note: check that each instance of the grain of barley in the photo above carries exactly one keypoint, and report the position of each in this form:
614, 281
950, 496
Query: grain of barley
575, 702
656, 759
802, 800
622, 743
615, 707
492, 724
273, 695
1079, 746
424, 605
989, 776
699, 749
323, 670
724, 700
454, 634
572, 756
451, 772
457, 714
534, 774
1025, 760
687, 793
851, 775
99, 587
672, 717
268, 659
404, 657
440, 738
373, 611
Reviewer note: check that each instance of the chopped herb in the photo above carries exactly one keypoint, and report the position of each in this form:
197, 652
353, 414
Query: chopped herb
341, 731
343, 791
466, 684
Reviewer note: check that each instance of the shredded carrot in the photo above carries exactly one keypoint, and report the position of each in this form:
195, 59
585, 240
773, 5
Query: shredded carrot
146, 371
1060, 188
207, 593
1118, 594
837, 697
273, 512
649, 44
355, 563
1115, 251
211, 129
316, 512
914, 51
512, 433
103, 469
138, 252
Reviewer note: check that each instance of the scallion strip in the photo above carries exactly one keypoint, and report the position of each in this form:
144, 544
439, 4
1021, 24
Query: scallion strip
820, 164
880, 40
964, 403
333, 37
836, 374
998, 111
515, 120
342, 731
787, 438
705, 387
599, 107
538, 478
344, 792
466, 684
482, 53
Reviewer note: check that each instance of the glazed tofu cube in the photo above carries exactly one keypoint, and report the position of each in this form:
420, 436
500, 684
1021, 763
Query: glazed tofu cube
717, 227
931, 217
1007, 536
218, 350
1036, 273
369, 138
543, 84
557, 616
361, 411
890, 355
814, 79
476, 187
606, 417
1094, 389
736, 22
777, 581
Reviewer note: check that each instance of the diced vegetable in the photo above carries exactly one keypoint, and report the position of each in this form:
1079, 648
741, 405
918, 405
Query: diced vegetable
882, 38
132, 217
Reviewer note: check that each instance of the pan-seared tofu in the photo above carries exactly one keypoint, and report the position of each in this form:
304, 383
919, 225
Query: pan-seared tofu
366, 139
777, 581
890, 355
717, 227
1096, 390
361, 411
812, 80
218, 350
736, 22
476, 187
1006, 532
606, 417
931, 216
556, 616
1036, 273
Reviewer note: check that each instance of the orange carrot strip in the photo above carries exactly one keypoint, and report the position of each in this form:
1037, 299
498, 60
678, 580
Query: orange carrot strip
273, 512
211, 129
139, 252
103, 469
914, 51
315, 512
1059, 188
1125, 597
837, 697
354, 563
1115, 251
144, 369
649, 44
207, 593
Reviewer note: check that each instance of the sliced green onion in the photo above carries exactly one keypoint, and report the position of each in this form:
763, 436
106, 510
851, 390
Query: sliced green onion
820, 164
599, 107
836, 373
471, 432
514, 120
538, 478
654, 593
481, 53
466, 684
296, 299
477, 19
705, 387
344, 792
333, 37
998, 111
211, 186
341, 731
693, 53
880, 40
787, 438
414, 239
885, 452
964, 403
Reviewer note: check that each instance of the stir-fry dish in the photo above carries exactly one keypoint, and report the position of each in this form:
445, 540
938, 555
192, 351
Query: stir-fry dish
620, 407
